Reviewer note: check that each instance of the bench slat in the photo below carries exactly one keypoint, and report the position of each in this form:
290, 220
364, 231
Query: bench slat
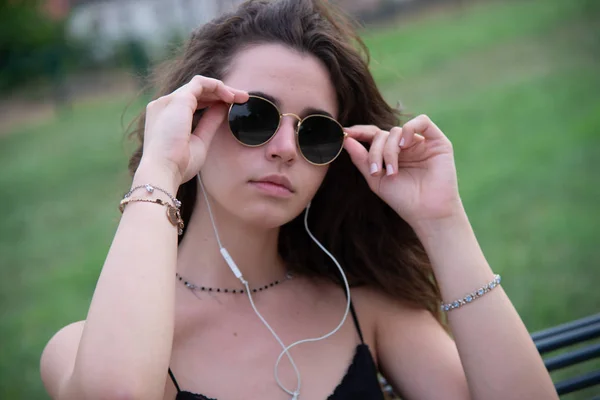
568, 338
578, 383
572, 357
579, 323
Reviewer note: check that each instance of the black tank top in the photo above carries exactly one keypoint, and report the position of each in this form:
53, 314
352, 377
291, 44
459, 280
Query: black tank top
359, 383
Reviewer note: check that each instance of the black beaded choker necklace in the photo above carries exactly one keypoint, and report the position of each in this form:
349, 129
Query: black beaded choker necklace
193, 287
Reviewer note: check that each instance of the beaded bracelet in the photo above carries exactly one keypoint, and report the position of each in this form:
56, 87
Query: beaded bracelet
472, 296
150, 189
173, 214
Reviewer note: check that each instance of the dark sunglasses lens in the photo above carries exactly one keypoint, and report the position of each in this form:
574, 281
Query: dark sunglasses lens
253, 122
320, 139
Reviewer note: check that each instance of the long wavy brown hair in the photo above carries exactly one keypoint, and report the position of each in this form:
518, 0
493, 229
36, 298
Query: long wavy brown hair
373, 244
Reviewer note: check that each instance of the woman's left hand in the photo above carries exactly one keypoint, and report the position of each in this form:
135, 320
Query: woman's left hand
411, 168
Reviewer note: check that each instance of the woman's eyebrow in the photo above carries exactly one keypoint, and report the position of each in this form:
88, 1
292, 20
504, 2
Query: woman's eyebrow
312, 111
266, 96
305, 112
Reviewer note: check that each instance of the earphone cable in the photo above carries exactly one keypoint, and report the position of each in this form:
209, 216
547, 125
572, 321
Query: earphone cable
212, 220
295, 393
347, 287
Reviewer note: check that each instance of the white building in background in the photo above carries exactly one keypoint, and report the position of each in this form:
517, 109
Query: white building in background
105, 23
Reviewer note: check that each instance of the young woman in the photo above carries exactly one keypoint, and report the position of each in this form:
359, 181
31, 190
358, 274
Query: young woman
275, 82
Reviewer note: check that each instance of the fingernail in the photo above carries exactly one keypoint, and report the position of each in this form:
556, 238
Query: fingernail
374, 168
389, 170
401, 142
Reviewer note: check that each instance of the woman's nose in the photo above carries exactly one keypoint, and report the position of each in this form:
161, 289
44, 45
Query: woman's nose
283, 145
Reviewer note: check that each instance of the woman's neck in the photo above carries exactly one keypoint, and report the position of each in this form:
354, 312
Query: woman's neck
254, 250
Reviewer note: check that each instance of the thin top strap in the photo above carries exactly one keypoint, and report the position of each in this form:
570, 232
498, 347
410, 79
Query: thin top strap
355, 318
174, 380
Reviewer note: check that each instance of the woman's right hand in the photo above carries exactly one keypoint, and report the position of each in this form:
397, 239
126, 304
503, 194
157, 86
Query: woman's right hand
169, 142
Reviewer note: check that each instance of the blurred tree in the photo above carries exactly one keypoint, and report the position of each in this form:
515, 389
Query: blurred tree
32, 44
140, 62
591, 9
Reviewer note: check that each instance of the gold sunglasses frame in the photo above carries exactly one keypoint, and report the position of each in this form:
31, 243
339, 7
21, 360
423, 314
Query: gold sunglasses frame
296, 130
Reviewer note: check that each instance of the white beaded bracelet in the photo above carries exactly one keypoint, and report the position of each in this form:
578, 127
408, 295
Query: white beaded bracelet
472, 296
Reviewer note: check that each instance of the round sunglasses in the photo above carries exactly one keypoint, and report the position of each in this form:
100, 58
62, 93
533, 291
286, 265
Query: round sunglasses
254, 123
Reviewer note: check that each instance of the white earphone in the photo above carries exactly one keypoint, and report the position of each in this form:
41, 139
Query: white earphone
238, 274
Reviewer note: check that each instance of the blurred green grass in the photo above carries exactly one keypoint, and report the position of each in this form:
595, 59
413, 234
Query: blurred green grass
515, 85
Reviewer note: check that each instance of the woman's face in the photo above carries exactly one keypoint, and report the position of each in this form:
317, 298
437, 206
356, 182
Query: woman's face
235, 175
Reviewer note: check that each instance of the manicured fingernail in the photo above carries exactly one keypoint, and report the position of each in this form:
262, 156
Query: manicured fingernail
401, 142
389, 170
374, 168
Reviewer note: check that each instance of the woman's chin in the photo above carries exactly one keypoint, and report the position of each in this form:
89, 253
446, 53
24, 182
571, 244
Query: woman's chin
267, 217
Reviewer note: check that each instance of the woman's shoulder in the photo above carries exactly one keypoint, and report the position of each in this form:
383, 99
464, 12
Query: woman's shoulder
376, 301
375, 308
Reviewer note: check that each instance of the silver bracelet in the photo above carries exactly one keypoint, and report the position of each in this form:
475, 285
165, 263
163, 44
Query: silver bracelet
151, 188
472, 296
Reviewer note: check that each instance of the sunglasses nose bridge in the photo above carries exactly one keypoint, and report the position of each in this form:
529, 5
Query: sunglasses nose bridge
298, 119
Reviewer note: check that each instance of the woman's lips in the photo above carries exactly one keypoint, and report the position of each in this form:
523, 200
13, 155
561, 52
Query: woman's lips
272, 189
